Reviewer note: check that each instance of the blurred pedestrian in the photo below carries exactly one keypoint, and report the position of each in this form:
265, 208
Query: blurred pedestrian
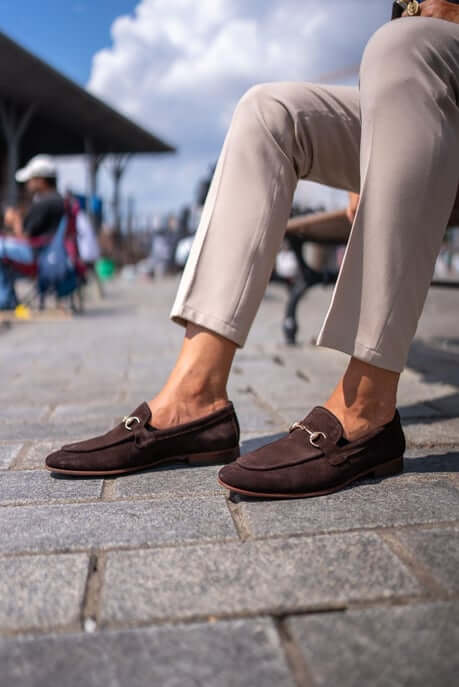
31, 229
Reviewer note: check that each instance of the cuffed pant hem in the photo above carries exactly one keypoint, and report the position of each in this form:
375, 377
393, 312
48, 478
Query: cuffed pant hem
361, 352
184, 314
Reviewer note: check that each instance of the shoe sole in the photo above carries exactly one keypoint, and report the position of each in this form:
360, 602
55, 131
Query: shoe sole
392, 467
195, 459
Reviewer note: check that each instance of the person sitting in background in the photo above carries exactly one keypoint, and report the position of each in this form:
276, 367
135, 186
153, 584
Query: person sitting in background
27, 230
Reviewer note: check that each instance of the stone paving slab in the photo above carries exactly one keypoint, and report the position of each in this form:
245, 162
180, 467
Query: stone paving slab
172, 481
290, 394
41, 592
26, 486
432, 461
448, 405
442, 432
15, 413
34, 455
396, 501
8, 453
250, 442
53, 395
72, 527
403, 646
114, 357
274, 576
437, 550
90, 410
414, 389
253, 418
242, 653
66, 431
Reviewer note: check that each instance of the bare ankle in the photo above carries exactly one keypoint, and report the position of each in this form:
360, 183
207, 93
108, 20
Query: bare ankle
364, 399
175, 407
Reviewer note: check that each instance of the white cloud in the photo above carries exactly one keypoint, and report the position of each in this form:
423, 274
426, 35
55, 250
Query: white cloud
178, 67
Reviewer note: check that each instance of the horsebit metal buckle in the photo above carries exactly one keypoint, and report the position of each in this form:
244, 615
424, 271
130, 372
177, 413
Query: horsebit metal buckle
128, 420
313, 436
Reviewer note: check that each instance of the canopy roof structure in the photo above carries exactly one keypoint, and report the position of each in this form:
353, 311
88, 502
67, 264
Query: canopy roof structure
42, 111
64, 115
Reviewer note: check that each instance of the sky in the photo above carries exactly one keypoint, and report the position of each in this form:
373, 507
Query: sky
178, 67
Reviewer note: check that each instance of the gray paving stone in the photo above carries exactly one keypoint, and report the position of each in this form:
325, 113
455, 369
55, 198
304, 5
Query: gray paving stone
438, 550
8, 453
432, 461
59, 430
41, 592
394, 501
31, 413
274, 576
384, 647
414, 390
35, 454
240, 653
418, 410
434, 364
37, 394
26, 486
80, 411
253, 418
199, 481
73, 527
434, 433
293, 396
250, 441
448, 404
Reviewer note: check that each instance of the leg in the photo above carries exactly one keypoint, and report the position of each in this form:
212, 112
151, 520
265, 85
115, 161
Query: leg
406, 199
280, 132
15, 250
409, 177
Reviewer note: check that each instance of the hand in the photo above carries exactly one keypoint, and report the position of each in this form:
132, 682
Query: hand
13, 221
10, 217
441, 9
352, 206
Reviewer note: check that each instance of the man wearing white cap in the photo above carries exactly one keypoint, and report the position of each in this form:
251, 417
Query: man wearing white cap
41, 220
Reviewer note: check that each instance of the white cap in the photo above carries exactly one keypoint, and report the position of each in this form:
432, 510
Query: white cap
38, 166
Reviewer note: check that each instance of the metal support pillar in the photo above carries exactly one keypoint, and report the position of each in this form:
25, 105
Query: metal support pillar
14, 123
118, 167
94, 162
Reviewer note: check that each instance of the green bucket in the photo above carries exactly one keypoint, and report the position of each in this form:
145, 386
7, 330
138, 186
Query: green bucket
105, 268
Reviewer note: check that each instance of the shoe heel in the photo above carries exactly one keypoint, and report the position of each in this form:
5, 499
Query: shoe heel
214, 457
392, 467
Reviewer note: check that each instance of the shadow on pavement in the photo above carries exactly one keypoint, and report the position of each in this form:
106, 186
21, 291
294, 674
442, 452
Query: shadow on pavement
437, 360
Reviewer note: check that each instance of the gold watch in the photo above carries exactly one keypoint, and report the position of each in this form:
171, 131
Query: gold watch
413, 8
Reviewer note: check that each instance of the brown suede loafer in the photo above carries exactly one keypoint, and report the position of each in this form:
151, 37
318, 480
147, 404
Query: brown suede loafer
315, 459
134, 445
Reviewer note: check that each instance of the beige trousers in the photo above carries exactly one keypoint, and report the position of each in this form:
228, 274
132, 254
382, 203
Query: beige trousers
394, 139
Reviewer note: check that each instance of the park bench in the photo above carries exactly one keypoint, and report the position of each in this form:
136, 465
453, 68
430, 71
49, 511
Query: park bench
324, 229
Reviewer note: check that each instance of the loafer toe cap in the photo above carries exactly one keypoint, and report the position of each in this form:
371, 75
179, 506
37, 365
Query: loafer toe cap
75, 462
237, 477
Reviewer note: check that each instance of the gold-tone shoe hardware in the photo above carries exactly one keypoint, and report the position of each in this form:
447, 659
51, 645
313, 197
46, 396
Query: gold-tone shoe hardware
128, 420
313, 436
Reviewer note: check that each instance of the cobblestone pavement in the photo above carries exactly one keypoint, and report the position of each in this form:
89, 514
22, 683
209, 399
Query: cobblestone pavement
159, 578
